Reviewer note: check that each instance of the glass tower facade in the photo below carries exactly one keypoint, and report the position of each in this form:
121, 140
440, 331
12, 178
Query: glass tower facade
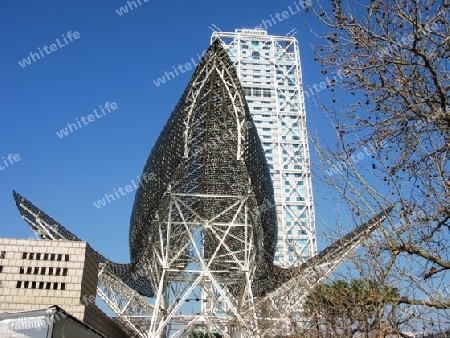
269, 69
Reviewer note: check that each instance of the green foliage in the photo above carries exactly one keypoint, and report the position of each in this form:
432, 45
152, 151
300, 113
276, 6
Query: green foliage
347, 308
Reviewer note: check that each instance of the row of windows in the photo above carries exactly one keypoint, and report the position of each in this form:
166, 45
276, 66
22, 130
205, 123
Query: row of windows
299, 207
45, 256
257, 76
291, 145
296, 207
298, 199
269, 158
257, 92
299, 232
256, 44
297, 224
290, 182
40, 285
43, 271
289, 70
295, 167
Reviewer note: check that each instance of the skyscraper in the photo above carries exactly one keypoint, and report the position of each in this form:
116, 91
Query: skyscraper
269, 69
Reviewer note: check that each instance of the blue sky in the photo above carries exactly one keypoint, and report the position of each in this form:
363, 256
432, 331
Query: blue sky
115, 58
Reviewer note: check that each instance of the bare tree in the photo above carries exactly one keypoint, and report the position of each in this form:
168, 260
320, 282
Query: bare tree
390, 111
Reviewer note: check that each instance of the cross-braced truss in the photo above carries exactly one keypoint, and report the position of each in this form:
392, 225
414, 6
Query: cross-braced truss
276, 312
203, 228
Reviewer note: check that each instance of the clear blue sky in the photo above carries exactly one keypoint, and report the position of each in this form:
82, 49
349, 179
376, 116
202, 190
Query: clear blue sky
115, 59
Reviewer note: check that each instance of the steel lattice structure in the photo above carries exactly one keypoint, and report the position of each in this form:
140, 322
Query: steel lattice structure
269, 69
204, 228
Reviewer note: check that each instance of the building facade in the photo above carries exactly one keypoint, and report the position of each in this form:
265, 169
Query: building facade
269, 69
35, 274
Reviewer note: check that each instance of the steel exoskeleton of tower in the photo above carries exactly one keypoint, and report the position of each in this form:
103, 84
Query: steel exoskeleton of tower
269, 69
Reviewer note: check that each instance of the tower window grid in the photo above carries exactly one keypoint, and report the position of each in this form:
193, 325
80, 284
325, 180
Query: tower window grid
281, 120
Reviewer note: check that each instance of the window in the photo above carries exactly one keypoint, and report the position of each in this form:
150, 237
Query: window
257, 92
1, 269
36, 270
267, 129
2, 254
50, 271
41, 285
24, 255
255, 55
59, 257
38, 256
52, 257
266, 93
29, 271
255, 43
25, 285
55, 286
66, 258
47, 286
19, 284
33, 285
42, 271
64, 272
22, 270
58, 271
63, 286
45, 257
247, 91
31, 256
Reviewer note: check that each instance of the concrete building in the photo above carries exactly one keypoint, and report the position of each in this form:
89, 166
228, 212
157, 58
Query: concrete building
35, 274
269, 69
